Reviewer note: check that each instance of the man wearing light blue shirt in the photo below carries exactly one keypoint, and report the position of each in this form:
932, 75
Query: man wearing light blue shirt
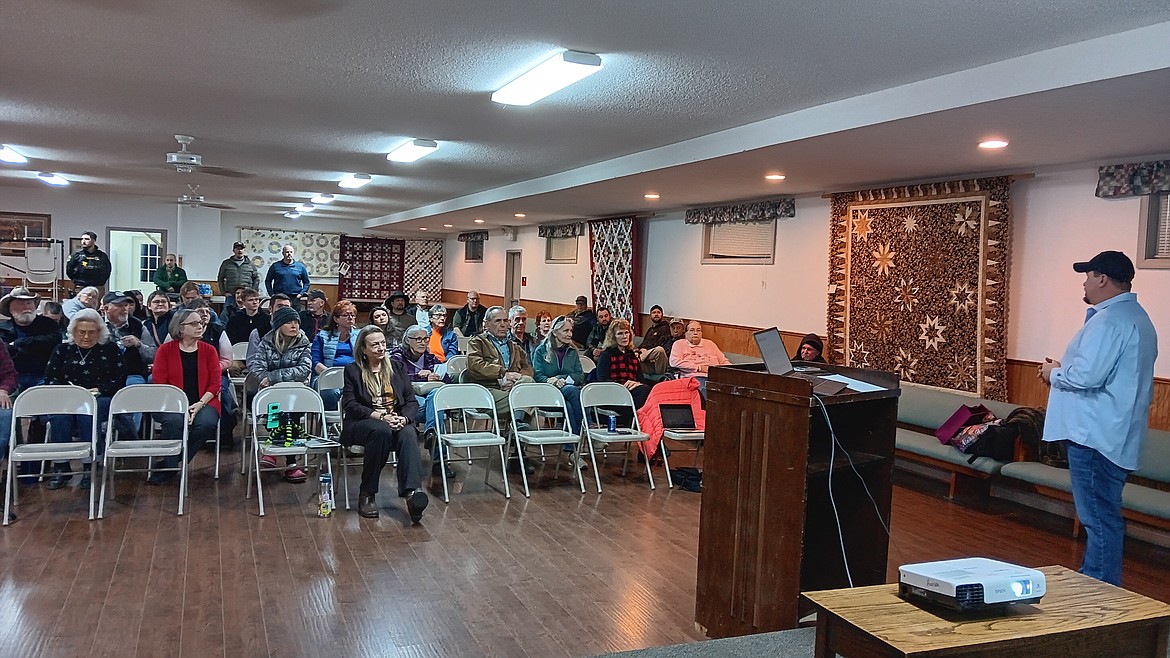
1100, 404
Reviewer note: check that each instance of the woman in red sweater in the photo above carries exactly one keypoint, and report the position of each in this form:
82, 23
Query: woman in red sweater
191, 365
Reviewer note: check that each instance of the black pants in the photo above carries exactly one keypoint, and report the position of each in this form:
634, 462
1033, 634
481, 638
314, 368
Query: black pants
379, 441
201, 431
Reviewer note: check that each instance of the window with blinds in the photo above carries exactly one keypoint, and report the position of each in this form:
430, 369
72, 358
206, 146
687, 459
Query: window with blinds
1154, 248
473, 251
560, 250
739, 243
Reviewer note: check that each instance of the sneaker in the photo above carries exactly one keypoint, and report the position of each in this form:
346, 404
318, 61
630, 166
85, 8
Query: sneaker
416, 502
578, 461
295, 474
60, 478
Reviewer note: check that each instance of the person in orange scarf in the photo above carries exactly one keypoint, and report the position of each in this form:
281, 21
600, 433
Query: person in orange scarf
442, 341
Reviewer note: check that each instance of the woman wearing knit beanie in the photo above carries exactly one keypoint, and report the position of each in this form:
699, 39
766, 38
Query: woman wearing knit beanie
284, 355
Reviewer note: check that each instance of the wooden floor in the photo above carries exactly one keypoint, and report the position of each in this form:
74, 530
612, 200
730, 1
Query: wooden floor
560, 574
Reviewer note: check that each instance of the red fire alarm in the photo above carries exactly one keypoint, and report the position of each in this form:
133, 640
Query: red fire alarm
523, 281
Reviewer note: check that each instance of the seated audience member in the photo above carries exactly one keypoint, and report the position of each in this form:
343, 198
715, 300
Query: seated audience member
191, 365
469, 317
618, 362
189, 292
421, 366
678, 331
583, 320
491, 357
692, 357
315, 317
335, 345
90, 360
283, 355
231, 304
138, 346
137, 307
175, 300
518, 330
379, 408
810, 350
380, 318
87, 297
7, 394
442, 341
275, 303
170, 277
420, 308
556, 361
53, 311
544, 321
158, 317
250, 318
215, 336
654, 353
399, 320
30, 338
593, 343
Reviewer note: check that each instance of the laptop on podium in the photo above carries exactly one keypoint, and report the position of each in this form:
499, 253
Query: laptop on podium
776, 361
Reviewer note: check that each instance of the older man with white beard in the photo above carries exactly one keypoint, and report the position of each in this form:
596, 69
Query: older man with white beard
30, 338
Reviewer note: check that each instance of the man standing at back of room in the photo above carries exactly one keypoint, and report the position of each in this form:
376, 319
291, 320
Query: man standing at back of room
469, 318
289, 277
1099, 405
89, 266
235, 271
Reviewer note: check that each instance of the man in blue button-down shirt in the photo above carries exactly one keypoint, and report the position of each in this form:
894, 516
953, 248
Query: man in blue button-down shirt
1100, 405
289, 277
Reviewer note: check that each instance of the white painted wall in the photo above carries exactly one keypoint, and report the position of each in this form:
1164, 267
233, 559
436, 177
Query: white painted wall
547, 282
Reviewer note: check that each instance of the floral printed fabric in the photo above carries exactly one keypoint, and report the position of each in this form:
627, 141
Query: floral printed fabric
1133, 179
918, 283
744, 213
572, 230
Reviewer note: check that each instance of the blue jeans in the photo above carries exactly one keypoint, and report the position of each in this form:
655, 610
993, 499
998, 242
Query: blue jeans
330, 397
63, 426
5, 431
1096, 488
135, 419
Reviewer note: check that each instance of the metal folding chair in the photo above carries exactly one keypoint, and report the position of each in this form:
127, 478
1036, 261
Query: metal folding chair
544, 396
41, 401
144, 398
469, 397
597, 404
294, 398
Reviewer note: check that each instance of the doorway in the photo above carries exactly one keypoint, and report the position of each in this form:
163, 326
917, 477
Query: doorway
135, 255
512, 278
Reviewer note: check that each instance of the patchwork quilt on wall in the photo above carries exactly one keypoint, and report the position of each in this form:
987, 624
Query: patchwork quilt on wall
374, 269
614, 263
319, 252
918, 283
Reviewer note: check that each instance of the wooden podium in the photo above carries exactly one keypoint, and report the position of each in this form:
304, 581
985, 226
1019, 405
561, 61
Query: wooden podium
767, 529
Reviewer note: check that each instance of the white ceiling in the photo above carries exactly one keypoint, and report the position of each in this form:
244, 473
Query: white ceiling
696, 101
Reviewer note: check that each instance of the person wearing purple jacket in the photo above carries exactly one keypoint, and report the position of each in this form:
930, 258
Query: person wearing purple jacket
420, 366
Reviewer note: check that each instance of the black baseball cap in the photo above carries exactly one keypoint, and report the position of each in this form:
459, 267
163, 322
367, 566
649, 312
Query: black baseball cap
237, 245
1113, 264
116, 297
317, 293
582, 298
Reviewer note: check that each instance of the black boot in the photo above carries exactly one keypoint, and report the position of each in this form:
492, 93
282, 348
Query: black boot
416, 502
366, 506
60, 479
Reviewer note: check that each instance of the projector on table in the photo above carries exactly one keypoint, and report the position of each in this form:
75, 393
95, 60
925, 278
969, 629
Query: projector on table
970, 584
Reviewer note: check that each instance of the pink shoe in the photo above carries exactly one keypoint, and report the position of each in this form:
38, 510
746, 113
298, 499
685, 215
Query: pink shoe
268, 461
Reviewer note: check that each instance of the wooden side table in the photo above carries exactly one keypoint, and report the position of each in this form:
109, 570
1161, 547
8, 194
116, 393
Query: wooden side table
1079, 616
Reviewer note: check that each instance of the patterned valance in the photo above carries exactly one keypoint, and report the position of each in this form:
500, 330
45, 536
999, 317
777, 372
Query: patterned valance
1133, 179
473, 236
570, 230
744, 213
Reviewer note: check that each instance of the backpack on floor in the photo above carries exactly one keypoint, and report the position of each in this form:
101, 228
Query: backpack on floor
687, 478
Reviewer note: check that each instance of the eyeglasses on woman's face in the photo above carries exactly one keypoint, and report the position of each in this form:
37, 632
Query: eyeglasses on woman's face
194, 323
416, 338
351, 316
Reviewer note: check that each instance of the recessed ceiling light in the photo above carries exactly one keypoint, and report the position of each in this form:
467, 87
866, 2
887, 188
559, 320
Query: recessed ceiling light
292, 214
52, 179
479, 221
551, 75
520, 215
9, 154
306, 207
322, 199
354, 181
774, 177
422, 228
993, 144
652, 196
448, 226
413, 150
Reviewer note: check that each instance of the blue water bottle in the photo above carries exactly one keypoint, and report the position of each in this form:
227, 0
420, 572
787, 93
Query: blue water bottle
612, 424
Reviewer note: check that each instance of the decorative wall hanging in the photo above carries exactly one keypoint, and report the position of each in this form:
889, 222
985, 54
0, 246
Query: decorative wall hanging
472, 236
374, 268
320, 252
1133, 179
744, 213
570, 230
918, 283
423, 269
614, 262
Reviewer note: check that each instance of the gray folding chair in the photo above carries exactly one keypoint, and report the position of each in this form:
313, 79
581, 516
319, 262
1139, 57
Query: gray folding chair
598, 401
543, 396
144, 398
468, 397
294, 398
40, 401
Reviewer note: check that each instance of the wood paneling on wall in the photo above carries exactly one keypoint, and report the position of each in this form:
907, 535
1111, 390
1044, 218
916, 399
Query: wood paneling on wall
1025, 388
533, 306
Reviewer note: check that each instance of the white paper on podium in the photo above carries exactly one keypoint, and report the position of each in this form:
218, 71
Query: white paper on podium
855, 384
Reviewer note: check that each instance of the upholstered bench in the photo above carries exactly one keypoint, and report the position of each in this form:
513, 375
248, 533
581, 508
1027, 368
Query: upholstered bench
920, 412
1145, 498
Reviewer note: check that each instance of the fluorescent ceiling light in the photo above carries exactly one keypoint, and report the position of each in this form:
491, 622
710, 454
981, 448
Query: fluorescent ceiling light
354, 181
322, 199
52, 179
9, 154
306, 207
774, 177
552, 75
652, 196
292, 214
993, 144
519, 215
422, 228
479, 221
413, 150
448, 226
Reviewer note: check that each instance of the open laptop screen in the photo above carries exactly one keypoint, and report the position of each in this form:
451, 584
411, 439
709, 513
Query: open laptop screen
771, 347
677, 416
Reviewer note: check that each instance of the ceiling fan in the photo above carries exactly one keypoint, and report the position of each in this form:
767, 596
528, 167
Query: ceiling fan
194, 199
186, 162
